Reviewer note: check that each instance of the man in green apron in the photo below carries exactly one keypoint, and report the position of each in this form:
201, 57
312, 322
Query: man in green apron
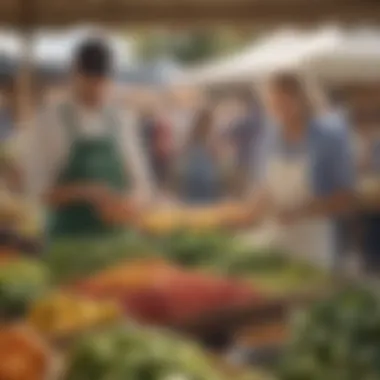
93, 182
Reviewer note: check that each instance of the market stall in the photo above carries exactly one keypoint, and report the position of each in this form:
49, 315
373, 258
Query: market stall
333, 55
102, 309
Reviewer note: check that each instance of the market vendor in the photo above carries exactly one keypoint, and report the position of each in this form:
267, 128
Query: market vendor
87, 160
305, 176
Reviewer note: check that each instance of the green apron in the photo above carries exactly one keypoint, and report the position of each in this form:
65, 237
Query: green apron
91, 160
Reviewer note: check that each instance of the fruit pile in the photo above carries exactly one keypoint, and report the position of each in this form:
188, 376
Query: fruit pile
158, 222
160, 293
23, 357
61, 314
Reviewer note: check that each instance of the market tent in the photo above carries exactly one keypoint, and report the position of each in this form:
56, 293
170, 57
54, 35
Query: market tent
350, 56
291, 53
282, 50
329, 54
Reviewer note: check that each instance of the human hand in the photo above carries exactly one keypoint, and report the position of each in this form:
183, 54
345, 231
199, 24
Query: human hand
118, 210
92, 192
289, 216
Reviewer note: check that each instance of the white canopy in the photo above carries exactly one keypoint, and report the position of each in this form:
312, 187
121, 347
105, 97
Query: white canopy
328, 53
350, 56
278, 51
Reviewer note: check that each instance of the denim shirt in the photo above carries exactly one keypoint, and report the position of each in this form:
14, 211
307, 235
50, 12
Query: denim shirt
331, 166
200, 176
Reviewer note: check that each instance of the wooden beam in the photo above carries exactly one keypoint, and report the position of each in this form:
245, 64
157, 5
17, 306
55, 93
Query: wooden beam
196, 12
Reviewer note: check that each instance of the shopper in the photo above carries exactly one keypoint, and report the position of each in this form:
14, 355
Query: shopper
244, 134
200, 174
305, 172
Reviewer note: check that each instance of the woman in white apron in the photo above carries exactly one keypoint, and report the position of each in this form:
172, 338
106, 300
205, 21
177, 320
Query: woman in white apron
305, 173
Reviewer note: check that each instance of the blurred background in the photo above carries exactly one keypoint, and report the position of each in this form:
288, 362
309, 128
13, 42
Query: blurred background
229, 226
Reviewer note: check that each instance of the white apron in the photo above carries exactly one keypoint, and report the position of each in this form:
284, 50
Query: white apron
289, 187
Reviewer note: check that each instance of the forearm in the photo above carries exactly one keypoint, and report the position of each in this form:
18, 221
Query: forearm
336, 204
62, 195
257, 208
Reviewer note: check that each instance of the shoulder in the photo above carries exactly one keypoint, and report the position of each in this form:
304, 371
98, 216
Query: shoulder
331, 128
332, 139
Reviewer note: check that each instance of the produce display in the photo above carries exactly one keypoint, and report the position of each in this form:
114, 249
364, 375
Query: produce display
129, 353
270, 270
71, 259
94, 290
160, 293
338, 339
23, 356
21, 283
197, 249
62, 314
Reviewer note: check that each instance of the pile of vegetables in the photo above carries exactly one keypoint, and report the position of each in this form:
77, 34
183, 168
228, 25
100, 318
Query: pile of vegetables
269, 268
71, 259
120, 353
196, 249
338, 339
22, 282
62, 314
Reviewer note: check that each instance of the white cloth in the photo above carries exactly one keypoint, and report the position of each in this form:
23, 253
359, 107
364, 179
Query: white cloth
43, 148
289, 187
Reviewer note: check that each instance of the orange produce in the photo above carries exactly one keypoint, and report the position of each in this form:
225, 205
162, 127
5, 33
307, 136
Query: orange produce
156, 292
63, 314
22, 356
125, 277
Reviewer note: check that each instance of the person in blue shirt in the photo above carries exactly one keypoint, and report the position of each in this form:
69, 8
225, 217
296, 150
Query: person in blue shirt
305, 175
200, 172
244, 133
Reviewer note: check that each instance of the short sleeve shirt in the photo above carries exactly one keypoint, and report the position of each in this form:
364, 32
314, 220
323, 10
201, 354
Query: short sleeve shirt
328, 150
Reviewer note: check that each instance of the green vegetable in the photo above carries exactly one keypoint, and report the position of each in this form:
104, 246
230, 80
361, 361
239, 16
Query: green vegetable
196, 249
70, 259
21, 283
337, 339
128, 353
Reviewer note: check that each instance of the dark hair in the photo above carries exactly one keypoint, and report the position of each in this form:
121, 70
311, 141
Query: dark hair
93, 57
294, 86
